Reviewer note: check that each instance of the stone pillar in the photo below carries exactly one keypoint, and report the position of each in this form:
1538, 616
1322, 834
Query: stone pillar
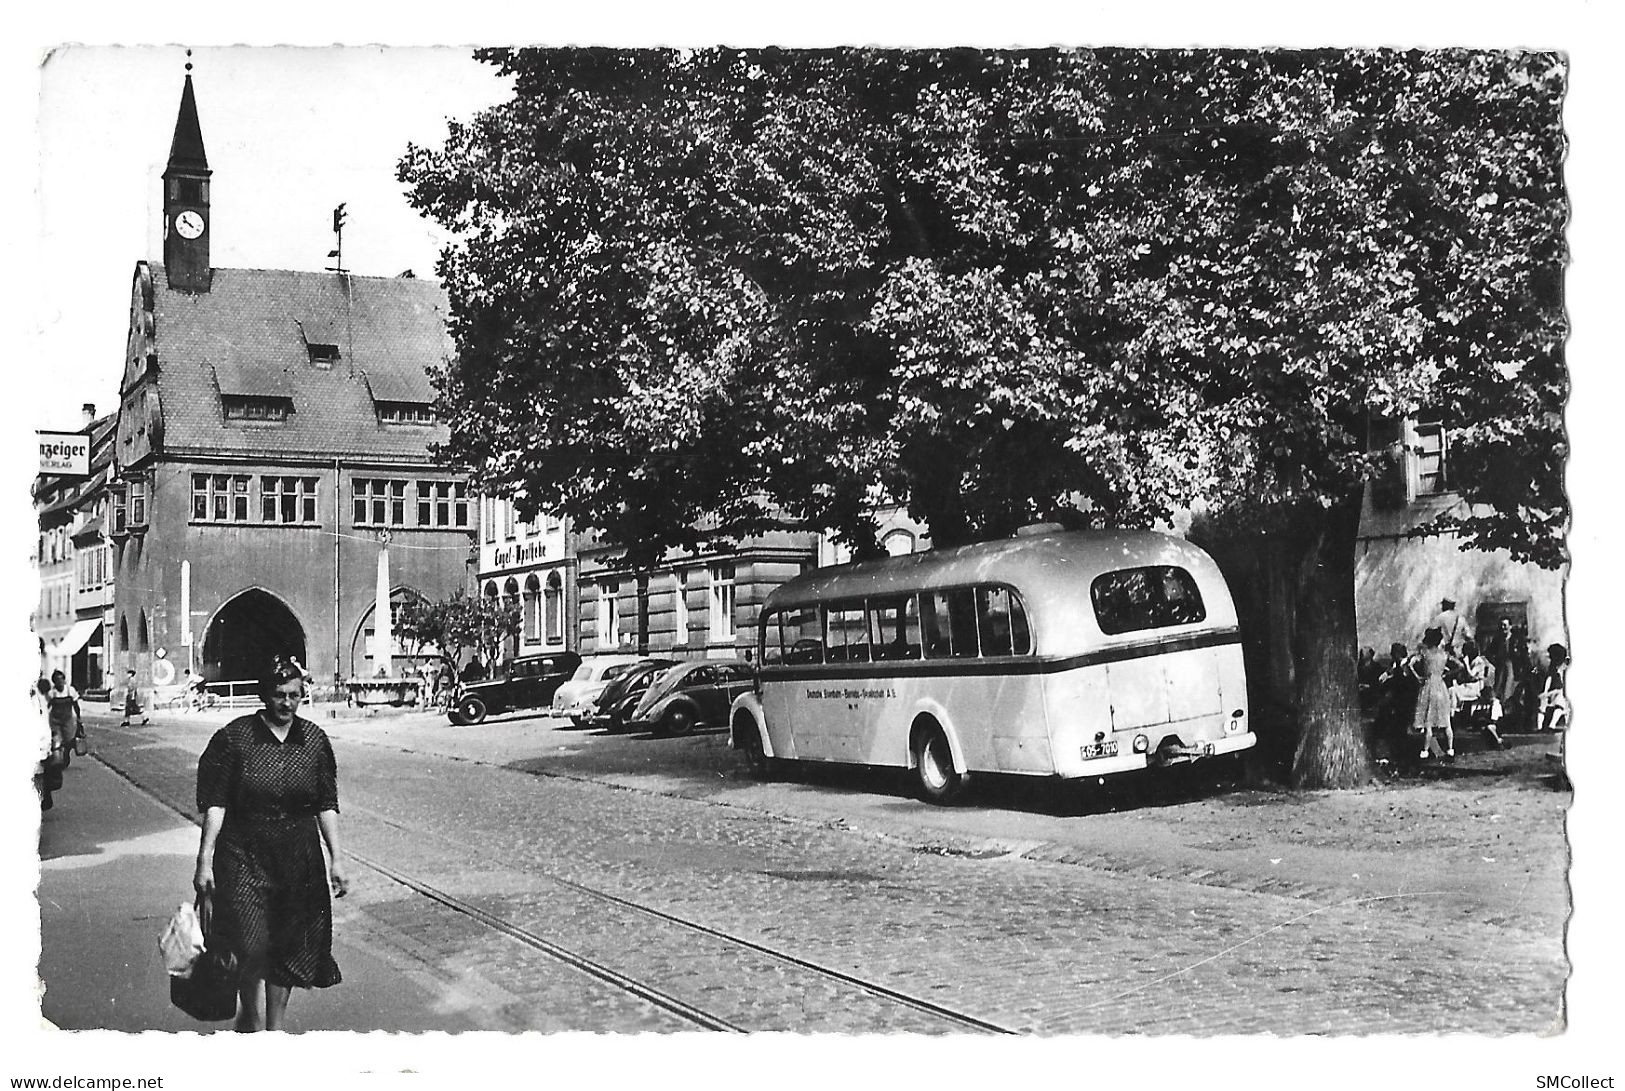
383, 635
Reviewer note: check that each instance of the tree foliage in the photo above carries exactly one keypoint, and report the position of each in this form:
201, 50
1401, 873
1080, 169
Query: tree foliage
1093, 285
720, 288
459, 623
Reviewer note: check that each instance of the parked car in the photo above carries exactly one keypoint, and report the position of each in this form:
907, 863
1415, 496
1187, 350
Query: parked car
624, 692
575, 698
691, 695
528, 683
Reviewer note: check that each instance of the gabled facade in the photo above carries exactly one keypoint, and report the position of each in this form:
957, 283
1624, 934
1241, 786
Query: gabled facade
272, 457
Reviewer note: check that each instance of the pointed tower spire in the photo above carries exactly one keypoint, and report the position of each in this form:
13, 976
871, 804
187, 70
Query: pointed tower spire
187, 224
186, 150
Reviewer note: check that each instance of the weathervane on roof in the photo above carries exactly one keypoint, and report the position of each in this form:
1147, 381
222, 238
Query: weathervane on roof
337, 253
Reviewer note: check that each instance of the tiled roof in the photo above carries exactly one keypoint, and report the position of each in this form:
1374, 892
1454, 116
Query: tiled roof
244, 336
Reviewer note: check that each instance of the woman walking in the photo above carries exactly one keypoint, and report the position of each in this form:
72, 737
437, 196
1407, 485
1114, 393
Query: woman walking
268, 789
1433, 703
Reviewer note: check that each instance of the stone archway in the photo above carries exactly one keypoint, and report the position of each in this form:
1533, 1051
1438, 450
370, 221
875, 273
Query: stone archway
246, 632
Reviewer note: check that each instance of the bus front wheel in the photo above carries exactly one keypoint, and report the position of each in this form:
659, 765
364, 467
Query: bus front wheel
760, 765
934, 768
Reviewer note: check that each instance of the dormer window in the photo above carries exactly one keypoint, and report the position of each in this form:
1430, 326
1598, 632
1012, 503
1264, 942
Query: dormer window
405, 413
253, 407
322, 354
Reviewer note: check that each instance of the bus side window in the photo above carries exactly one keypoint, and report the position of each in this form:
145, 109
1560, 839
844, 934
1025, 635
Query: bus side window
993, 619
895, 624
847, 640
962, 622
1021, 637
801, 637
934, 625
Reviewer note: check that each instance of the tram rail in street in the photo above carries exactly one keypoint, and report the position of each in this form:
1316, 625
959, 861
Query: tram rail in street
646, 991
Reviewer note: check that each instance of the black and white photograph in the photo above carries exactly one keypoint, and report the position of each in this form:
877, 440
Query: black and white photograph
814, 551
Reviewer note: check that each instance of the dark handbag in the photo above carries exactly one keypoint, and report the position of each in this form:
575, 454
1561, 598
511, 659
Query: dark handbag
209, 993
81, 745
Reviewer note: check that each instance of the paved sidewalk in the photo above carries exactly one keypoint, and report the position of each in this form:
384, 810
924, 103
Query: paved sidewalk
114, 864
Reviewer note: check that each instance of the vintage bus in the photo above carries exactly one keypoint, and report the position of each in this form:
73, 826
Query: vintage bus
1058, 654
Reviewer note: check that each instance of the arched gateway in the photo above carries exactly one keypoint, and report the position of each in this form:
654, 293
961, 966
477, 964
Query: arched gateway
246, 632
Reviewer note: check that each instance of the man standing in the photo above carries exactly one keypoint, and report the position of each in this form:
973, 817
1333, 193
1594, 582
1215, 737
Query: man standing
1448, 622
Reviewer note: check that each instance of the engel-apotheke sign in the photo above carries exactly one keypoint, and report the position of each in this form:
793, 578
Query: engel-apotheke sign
521, 554
64, 453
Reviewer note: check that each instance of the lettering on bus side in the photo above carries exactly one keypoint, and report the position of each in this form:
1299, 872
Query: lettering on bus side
884, 694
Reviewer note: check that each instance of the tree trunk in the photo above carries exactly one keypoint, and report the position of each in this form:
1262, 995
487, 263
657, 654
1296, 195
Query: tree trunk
1331, 751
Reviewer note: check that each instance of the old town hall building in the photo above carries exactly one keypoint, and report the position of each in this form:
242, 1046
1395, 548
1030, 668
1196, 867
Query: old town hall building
272, 458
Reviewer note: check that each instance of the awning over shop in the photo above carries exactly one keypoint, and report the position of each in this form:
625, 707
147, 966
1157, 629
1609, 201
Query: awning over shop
76, 638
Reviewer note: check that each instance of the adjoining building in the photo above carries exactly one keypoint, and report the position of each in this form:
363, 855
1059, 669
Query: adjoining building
273, 469
700, 605
530, 565
76, 584
1400, 580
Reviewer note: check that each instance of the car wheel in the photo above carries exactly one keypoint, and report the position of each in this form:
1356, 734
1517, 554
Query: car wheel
934, 768
471, 709
677, 721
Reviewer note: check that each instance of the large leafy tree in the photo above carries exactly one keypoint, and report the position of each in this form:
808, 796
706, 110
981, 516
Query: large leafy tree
723, 288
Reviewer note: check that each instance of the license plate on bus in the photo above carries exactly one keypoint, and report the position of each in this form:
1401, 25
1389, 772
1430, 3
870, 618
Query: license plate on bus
1107, 749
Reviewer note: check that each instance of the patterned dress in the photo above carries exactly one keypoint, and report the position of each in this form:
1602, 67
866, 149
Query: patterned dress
272, 902
1433, 704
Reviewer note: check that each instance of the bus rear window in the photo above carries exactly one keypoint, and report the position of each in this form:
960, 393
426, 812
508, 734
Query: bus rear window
1154, 597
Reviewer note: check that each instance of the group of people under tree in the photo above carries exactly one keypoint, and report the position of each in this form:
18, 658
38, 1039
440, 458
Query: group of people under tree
1416, 700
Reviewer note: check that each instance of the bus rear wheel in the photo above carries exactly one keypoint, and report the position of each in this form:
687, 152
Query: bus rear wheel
934, 769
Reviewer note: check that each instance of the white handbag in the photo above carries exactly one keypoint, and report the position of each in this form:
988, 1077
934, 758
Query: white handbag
181, 941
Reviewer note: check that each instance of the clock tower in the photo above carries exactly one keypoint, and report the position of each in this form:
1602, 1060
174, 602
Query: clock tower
187, 225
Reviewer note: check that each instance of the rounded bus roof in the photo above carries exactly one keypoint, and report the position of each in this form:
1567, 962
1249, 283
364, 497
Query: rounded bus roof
1052, 572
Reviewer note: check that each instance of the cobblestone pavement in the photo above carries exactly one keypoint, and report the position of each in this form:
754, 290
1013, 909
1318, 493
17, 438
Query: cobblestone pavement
1036, 936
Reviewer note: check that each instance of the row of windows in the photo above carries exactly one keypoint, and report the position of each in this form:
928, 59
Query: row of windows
958, 623
226, 498
500, 521
381, 502
56, 597
129, 506
969, 622
250, 407
543, 610
254, 407
92, 566
54, 545
722, 598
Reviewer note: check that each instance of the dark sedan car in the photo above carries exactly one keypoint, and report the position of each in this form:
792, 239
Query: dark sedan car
624, 692
527, 684
691, 695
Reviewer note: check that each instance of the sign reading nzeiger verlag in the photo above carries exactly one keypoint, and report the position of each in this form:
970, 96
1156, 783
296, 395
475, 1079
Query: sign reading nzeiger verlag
66, 453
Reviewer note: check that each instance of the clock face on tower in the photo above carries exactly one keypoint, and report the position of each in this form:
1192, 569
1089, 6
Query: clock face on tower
189, 224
